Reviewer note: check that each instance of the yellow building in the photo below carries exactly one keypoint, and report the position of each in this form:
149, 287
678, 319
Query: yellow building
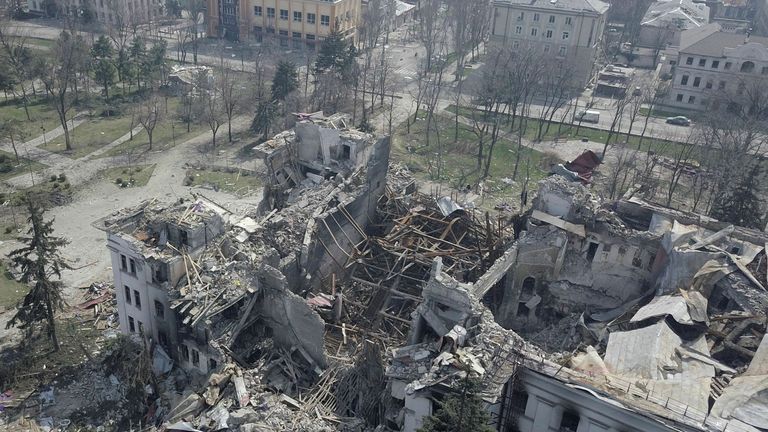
289, 20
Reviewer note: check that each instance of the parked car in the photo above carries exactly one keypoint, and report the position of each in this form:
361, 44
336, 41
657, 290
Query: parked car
589, 116
679, 120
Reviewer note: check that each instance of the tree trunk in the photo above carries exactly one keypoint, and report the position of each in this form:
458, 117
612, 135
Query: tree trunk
13, 144
67, 139
51, 323
24, 100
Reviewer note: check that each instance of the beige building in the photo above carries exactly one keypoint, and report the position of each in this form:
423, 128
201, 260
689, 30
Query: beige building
570, 30
290, 20
712, 65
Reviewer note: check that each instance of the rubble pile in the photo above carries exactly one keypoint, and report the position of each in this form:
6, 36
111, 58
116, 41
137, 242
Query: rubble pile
348, 300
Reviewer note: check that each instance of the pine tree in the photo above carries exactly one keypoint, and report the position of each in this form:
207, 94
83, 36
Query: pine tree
104, 67
286, 80
336, 55
139, 59
39, 261
462, 412
266, 112
743, 205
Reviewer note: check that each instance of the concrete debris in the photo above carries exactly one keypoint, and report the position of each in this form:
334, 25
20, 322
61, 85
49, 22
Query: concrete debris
348, 300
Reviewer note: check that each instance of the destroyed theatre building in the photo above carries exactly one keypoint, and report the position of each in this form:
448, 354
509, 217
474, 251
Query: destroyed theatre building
348, 300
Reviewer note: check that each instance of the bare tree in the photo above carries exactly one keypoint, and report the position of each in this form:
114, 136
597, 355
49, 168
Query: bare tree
194, 11
619, 106
60, 76
149, 115
458, 22
431, 28
555, 89
479, 24
680, 165
19, 57
651, 97
525, 68
232, 94
212, 113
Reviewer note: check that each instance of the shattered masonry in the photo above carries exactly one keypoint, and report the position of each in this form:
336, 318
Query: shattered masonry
349, 300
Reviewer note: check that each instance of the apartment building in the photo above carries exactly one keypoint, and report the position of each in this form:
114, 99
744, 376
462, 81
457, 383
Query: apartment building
292, 21
567, 30
127, 12
711, 64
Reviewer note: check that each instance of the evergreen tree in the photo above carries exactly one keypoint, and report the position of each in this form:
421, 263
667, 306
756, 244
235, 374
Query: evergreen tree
286, 80
463, 412
103, 64
39, 261
266, 112
138, 58
743, 205
336, 55
155, 64
125, 67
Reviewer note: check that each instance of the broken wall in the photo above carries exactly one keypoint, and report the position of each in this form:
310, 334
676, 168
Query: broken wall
293, 322
333, 234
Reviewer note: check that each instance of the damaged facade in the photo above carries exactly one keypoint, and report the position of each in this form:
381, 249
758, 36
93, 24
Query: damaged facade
350, 301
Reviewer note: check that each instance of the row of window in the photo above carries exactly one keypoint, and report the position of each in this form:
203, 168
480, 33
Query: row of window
161, 336
124, 261
548, 34
195, 357
325, 20
685, 79
159, 308
295, 35
537, 17
691, 99
746, 67
561, 52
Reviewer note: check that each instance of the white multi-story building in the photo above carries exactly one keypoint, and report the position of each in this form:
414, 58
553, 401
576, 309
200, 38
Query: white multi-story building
567, 30
151, 251
712, 65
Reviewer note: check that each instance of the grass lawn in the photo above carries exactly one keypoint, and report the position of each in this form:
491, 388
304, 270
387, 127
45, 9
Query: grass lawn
91, 135
40, 43
233, 180
45, 188
135, 176
459, 159
41, 113
9, 168
162, 138
568, 131
11, 291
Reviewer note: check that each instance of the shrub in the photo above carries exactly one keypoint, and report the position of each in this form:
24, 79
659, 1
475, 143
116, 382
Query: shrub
119, 181
53, 178
8, 229
62, 178
6, 167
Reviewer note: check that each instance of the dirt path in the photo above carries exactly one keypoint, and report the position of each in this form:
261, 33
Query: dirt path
87, 250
